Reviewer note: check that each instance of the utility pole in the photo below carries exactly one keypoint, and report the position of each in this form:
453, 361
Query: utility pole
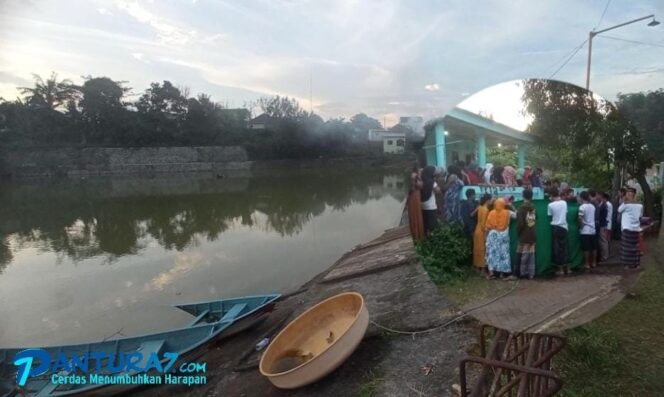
593, 33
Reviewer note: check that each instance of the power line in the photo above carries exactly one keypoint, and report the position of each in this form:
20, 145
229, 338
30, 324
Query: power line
603, 13
631, 41
574, 51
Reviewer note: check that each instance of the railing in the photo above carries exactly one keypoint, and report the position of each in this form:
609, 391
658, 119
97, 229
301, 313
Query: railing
514, 364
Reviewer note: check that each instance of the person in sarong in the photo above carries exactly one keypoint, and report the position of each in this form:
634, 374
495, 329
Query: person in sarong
453, 188
479, 243
525, 251
498, 241
630, 224
415, 220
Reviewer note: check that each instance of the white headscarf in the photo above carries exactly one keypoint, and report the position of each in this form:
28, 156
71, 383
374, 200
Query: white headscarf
488, 169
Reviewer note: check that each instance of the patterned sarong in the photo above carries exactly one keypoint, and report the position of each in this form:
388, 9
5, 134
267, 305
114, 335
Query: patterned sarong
498, 251
630, 254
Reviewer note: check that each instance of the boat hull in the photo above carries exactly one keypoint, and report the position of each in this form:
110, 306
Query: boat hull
317, 342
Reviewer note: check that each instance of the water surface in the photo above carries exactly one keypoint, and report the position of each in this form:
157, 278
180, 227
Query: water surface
83, 260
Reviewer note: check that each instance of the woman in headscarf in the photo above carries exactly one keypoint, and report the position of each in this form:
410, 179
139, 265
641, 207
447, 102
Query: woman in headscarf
498, 240
428, 199
479, 247
453, 188
488, 171
415, 219
509, 175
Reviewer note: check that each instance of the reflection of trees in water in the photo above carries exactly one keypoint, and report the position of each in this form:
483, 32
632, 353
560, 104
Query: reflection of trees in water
5, 255
76, 221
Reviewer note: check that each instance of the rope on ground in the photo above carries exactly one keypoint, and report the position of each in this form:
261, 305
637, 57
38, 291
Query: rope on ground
452, 321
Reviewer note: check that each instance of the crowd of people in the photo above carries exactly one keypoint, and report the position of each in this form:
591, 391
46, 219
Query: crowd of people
435, 196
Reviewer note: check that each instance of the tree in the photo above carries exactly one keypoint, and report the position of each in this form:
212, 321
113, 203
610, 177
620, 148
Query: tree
163, 98
49, 94
163, 111
281, 107
361, 124
101, 107
588, 132
644, 111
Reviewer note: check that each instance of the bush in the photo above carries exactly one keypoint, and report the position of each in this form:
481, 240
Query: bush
444, 253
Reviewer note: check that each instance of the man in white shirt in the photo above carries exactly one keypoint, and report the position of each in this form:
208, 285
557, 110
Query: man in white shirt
557, 210
630, 224
588, 231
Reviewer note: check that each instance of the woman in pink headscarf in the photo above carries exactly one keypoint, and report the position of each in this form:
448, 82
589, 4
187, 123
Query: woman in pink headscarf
509, 175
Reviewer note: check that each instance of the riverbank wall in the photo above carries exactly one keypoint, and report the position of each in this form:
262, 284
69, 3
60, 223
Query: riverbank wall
93, 161
154, 161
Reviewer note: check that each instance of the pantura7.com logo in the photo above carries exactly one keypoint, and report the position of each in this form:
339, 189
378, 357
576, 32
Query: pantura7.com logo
100, 368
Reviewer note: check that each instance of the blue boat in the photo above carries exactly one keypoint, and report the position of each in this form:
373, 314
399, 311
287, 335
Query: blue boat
212, 322
239, 309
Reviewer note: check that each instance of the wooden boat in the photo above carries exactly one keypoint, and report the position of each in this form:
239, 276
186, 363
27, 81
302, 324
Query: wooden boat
213, 321
316, 342
186, 342
246, 311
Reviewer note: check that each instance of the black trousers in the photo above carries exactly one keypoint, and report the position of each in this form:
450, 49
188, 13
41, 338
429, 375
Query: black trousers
430, 220
559, 245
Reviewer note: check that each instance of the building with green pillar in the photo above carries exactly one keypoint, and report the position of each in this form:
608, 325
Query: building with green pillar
465, 136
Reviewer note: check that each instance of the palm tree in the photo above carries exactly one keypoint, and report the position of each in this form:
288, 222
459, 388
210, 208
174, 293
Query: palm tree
50, 93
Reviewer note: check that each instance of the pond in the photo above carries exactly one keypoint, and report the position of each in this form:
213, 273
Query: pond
82, 260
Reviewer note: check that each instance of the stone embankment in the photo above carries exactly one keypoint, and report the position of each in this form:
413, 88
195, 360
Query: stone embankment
94, 161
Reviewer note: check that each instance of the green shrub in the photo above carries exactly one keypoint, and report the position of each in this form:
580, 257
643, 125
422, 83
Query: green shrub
658, 204
444, 253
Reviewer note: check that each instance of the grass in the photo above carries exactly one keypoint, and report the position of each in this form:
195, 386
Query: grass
371, 388
622, 352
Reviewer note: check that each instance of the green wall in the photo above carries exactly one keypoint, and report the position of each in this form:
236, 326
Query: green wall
543, 264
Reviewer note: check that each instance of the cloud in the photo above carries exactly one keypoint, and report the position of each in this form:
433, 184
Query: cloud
184, 264
372, 57
140, 56
166, 30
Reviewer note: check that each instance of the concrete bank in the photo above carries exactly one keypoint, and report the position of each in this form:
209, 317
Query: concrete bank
93, 161
398, 294
154, 161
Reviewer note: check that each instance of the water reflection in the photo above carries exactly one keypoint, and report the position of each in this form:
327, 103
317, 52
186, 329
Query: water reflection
82, 219
165, 241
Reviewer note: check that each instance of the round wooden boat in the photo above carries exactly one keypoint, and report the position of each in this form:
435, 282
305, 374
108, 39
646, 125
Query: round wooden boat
316, 342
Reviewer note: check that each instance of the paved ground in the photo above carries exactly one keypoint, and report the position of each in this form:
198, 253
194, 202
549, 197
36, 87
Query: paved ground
552, 305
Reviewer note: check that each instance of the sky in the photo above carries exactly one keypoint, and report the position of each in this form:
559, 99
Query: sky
502, 103
385, 58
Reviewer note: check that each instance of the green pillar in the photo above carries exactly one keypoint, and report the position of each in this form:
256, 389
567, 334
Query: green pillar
440, 145
521, 159
481, 149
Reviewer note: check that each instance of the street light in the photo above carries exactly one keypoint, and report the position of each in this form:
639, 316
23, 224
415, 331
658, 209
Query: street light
593, 34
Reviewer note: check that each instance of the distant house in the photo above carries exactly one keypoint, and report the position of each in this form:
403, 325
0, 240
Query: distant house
413, 126
262, 122
376, 135
394, 143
